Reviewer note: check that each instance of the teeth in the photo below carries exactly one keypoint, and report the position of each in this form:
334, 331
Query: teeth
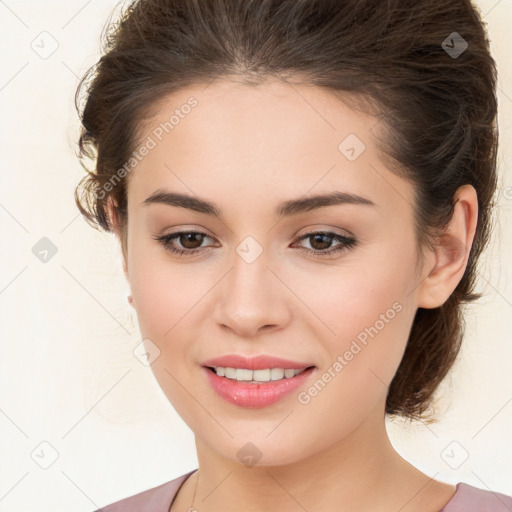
242, 374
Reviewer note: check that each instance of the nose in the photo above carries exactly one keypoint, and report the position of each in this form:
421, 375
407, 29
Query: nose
251, 298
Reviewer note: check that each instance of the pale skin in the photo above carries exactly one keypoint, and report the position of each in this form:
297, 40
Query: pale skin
247, 149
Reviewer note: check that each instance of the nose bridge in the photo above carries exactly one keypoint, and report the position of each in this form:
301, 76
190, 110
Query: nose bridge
250, 284
250, 296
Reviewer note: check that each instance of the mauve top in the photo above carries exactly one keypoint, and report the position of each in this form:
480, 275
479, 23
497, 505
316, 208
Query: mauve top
158, 499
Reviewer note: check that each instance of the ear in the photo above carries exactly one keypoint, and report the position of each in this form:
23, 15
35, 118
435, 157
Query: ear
452, 251
118, 232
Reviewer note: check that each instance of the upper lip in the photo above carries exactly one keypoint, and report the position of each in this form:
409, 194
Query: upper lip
260, 362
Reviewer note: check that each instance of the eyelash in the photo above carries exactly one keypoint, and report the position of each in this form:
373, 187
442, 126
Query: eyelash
346, 243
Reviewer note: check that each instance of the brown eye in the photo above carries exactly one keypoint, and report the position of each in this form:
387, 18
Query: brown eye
321, 241
189, 242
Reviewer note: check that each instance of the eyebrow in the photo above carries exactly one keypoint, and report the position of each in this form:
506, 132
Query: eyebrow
286, 208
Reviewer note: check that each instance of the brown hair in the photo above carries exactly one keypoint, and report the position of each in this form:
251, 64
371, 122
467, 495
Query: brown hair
435, 95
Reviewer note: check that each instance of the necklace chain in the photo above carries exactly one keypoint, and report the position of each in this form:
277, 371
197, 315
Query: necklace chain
193, 497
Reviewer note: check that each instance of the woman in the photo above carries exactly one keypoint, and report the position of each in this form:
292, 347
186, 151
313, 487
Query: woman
301, 191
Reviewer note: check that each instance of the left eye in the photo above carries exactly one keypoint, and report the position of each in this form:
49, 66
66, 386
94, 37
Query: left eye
322, 238
192, 240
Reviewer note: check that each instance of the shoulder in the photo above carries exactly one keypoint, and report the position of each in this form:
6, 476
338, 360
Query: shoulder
468, 498
156, 499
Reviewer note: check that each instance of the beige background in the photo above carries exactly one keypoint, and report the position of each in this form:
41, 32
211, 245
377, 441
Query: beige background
72, 389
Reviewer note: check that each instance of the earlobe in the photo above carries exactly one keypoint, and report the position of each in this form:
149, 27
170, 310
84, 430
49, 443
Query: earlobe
450, 264
451, 252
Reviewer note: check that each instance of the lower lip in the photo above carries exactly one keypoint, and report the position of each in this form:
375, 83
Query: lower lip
255, 395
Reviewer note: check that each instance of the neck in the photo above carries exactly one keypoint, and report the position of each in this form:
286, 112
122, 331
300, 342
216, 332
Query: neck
361, 472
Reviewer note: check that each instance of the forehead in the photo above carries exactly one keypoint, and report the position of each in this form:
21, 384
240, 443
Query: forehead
274, 114
254, 142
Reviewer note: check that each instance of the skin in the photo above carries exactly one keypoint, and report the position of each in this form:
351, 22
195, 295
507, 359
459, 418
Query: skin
247, 149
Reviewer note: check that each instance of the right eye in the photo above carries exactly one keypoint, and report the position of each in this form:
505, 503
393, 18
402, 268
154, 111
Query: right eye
190, 240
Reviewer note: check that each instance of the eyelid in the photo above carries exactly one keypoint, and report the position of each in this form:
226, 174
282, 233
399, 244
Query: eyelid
305, 230
314, 228
345, 243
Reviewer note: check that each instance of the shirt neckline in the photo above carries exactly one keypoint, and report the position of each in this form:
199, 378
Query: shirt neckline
452, 499
187, 476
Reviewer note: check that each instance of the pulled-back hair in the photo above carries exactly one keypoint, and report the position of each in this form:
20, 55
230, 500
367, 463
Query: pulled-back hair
407, 59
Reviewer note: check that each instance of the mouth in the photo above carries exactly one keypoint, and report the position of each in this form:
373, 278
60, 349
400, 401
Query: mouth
257, 376
256, 388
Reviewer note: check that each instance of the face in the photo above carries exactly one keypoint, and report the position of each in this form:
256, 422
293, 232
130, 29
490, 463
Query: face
331, 287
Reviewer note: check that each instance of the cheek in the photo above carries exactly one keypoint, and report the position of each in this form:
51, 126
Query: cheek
163, 292
370, 317
361, 309
354, 294
167, 300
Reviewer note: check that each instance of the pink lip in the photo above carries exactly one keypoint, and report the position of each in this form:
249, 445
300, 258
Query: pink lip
254, 363
253, 395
